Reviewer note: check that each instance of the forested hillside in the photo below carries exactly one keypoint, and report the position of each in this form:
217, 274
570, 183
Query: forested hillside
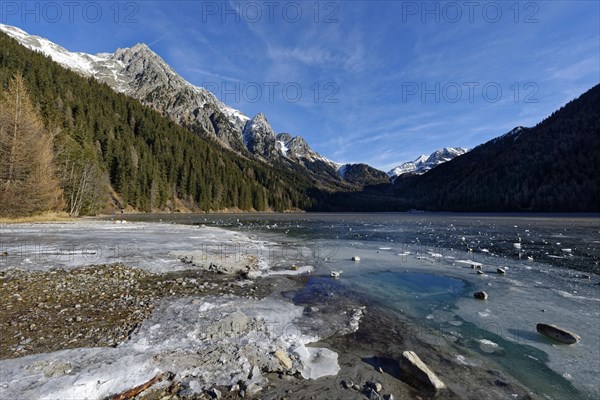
71, 143
553, 166
110, 151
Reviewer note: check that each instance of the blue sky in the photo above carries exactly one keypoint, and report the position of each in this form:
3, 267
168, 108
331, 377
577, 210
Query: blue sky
381, 81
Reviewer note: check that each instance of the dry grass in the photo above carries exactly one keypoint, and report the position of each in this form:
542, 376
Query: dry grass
46, 217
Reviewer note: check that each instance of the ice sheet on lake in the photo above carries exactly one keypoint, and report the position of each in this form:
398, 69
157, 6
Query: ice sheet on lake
155, 247
516, 302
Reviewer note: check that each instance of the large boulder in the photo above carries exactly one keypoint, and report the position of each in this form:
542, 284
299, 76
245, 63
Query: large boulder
558, 333
416, 373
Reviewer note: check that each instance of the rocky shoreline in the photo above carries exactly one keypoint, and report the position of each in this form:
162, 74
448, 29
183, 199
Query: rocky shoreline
95, 306
178, 323
105, 305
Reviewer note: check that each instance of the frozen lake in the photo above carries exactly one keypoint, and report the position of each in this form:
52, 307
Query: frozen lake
419, 264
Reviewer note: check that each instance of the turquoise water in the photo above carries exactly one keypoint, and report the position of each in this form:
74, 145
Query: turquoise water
421, 296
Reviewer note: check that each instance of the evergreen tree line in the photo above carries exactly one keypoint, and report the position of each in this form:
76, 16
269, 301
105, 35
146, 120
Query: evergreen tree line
108, 149
551, 167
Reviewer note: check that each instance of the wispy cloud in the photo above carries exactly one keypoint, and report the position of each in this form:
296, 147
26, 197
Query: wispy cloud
369, 54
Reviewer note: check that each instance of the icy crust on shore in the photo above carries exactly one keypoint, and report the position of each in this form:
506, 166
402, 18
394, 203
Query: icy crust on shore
204, 342
154, 247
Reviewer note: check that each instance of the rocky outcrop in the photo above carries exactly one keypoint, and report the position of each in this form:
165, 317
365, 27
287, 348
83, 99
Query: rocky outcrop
363, 175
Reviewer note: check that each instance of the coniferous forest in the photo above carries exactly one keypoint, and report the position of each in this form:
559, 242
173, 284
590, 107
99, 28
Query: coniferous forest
552, 167
112, 152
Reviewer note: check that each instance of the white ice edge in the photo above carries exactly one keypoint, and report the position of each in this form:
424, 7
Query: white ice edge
154, 247
179, 337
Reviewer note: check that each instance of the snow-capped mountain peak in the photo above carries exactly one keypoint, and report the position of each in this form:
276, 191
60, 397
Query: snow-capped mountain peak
424, 163
139, 72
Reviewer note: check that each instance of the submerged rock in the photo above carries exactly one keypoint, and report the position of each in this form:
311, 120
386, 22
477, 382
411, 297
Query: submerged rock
501, 271
558, 333
480, 295
415, 372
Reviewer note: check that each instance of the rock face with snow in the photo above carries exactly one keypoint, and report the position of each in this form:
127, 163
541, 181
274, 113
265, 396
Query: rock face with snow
156, 84
423, 163
142, 74
286, 150
259, 137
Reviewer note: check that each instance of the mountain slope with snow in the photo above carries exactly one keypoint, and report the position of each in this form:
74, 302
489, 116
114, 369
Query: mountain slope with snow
423, 163
142, 74
551, 167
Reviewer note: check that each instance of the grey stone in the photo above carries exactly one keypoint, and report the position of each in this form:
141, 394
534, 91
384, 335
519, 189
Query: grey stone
415, 372
558, 333
480, 295
215, 393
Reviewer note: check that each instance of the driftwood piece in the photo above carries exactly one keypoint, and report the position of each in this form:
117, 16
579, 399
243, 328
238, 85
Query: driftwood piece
131, 393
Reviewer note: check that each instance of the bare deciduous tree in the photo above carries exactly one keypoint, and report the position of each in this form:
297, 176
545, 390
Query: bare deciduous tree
28, 182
